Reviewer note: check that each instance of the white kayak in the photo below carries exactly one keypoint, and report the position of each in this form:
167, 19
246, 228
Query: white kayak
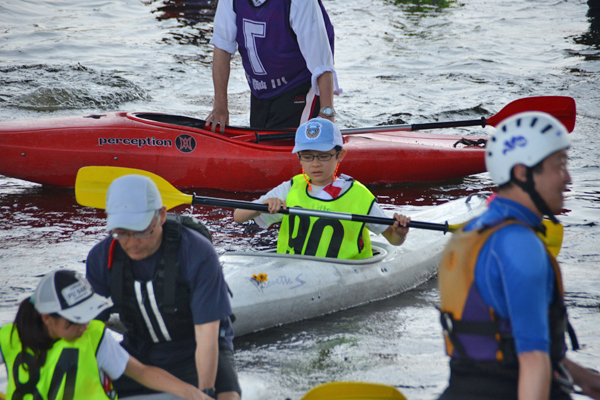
299, 287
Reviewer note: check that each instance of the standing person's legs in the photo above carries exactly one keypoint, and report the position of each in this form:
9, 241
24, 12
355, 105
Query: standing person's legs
259, 112
287, 110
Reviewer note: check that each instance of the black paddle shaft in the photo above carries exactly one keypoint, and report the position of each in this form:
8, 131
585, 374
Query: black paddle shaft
267, 137
449, 124
246, 205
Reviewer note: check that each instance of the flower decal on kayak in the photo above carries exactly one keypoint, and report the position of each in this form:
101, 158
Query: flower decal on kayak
259, 280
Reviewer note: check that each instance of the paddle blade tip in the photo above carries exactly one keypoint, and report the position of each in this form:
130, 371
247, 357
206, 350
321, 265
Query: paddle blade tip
554, 236
89, 192
562, 108
92, 183
353, 391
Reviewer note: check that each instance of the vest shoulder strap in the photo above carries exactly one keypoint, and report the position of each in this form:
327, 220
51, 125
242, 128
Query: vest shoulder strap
116, 262
171, 238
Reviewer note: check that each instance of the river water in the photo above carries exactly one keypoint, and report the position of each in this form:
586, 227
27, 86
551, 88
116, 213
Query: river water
397, 61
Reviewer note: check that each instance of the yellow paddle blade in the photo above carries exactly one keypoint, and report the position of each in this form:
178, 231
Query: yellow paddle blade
92, 184
455, 227
554, 236
353, 391
2, 396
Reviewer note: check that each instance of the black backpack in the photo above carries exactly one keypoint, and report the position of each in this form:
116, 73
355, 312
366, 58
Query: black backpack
192, 223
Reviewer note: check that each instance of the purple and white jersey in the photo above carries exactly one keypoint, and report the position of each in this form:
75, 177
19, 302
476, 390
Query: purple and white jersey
270, 49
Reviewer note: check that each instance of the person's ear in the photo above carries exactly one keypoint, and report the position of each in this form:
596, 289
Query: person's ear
520, 172
162, 215
342, 154
46, 319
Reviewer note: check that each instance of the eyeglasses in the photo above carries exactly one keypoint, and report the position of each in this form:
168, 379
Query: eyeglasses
123, 236
320, 157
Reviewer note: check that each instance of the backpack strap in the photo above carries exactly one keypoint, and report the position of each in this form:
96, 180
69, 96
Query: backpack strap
116, 262
171, 239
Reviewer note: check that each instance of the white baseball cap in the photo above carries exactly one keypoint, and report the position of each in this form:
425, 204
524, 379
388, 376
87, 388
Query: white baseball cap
318, 134
70, 295
131, 202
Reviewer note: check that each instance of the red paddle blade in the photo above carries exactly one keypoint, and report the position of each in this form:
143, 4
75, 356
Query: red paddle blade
561, 107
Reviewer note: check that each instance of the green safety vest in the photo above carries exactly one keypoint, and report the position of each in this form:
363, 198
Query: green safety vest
70, 372
326, 237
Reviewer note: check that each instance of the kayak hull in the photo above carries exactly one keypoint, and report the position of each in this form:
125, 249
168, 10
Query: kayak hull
51, 151
302, 287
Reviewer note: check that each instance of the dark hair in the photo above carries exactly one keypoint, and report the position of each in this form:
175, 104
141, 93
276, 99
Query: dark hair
32, 332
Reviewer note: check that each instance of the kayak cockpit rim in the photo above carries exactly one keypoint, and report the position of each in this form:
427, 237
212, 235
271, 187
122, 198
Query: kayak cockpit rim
233, 134
182, 120
170, 119
379, 254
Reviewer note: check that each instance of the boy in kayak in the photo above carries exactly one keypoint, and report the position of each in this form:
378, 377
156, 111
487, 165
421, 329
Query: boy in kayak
54, 350
502, 298
319, 145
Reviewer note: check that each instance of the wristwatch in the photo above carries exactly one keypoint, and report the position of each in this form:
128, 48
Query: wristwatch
327, 111
210, 392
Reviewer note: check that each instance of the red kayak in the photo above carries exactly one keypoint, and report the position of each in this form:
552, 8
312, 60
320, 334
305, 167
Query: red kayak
178, 148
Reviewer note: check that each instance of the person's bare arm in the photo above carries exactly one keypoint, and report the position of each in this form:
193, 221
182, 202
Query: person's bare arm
207, 353
325, 83
220, 73
240, 215
162, 381
588, 380
396, 234
535, 373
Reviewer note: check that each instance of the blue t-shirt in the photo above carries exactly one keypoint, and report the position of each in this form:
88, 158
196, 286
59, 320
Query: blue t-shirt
199, 267
514, 274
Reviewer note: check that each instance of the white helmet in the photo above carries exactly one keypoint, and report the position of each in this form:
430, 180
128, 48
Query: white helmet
526, 138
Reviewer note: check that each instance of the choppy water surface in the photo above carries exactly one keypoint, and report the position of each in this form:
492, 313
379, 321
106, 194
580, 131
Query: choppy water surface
397, 62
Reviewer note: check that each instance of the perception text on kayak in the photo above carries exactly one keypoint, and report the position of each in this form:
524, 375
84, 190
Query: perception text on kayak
139, 142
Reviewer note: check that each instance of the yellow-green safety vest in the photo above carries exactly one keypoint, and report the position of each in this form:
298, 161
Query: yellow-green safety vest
326, 237
70, 372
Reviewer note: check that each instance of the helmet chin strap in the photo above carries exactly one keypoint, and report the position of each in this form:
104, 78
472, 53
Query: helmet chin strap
529, 187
